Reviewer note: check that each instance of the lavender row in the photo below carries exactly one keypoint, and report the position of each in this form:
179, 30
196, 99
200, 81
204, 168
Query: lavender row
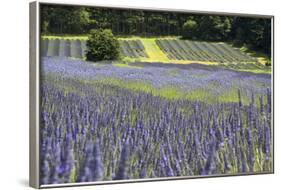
132, 48
202, 51
63, 48
77, 48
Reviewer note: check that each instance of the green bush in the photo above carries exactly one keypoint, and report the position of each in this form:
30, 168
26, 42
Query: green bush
102, 45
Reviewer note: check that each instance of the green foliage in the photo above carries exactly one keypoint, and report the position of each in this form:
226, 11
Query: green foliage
208, 28
253, 32
268, 63
64, 19
190, 28
215, 28
102, 45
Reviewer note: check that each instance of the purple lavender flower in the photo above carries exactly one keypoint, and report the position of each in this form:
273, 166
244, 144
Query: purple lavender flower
122, 172
210, 165
92, 130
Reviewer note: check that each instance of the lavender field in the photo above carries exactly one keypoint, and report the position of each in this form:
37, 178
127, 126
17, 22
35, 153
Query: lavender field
141, 94
110, 121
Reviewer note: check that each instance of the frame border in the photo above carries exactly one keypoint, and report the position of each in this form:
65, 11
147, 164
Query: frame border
34, 110
34, 93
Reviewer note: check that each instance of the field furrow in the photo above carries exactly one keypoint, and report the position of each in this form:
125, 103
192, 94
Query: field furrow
202, 51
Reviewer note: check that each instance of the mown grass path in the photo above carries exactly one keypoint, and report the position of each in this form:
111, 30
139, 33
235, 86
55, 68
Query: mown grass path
153, 51
155, 54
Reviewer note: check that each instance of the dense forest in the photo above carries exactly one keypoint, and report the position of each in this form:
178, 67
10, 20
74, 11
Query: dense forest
253, 32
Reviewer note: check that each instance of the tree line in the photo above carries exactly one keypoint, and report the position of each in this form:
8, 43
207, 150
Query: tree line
253, 32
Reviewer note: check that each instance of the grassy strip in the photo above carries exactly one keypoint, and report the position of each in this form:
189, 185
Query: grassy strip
153, 51
170, 92
86, 37
256, 71
261, 57
65, 37
123, 65
155, 54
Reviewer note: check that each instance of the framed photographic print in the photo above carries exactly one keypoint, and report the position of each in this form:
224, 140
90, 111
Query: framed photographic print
133, 94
